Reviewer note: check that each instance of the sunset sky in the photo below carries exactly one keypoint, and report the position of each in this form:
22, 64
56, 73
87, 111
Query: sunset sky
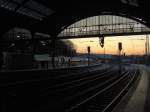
131, 45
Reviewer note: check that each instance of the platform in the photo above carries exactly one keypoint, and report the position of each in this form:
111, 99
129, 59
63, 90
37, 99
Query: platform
138, 97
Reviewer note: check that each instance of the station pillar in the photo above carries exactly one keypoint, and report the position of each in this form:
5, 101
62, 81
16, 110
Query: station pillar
53, 52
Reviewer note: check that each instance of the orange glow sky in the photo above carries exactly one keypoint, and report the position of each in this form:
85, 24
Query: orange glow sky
131, 45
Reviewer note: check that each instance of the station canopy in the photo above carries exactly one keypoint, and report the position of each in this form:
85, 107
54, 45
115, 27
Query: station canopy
51, 17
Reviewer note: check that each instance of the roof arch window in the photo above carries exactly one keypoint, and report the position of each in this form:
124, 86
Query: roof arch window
104, 25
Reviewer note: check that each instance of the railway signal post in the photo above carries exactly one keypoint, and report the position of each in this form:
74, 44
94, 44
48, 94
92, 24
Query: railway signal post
120, 48
88, 49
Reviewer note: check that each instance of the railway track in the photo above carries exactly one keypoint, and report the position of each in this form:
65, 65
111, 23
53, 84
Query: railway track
107, 98
26, 93
33, 77
80, 90
68, 92
65, 92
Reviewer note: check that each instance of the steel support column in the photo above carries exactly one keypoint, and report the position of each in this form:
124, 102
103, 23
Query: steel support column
53, 52
34, 43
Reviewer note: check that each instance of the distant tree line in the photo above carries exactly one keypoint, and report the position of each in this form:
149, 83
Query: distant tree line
62, 48
65, 48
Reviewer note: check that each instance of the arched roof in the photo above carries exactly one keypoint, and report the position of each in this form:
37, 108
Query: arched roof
49, 17
104, 25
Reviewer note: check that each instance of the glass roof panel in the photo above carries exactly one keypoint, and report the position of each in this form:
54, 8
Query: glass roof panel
30, 8
38, 7
7, 5
18, 1
30, 13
